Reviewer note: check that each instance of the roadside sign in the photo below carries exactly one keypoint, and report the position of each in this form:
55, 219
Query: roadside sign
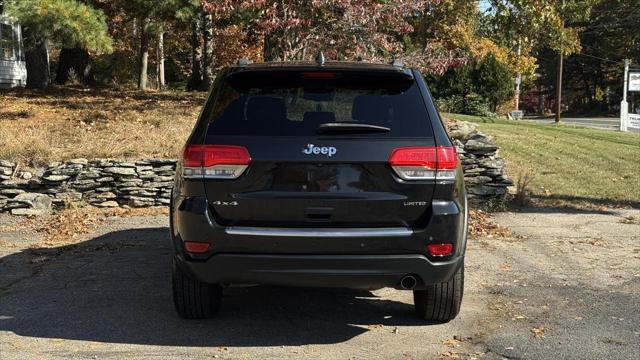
634, 80
631, 82
634, 121
517, 114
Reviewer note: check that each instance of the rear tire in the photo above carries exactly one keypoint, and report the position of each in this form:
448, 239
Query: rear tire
440, 302
192, 298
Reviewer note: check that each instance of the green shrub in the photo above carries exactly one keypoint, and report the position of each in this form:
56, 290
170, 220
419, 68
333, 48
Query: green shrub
475, 88
475, 104
471, 104
451, 104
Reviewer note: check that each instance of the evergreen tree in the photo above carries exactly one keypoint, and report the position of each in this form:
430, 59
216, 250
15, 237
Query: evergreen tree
493, 81
67, 22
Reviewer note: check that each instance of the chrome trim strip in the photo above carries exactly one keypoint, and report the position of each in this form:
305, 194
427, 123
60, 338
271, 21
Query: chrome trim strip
319, 232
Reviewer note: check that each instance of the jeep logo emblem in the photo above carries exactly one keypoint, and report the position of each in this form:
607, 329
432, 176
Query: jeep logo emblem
317, 150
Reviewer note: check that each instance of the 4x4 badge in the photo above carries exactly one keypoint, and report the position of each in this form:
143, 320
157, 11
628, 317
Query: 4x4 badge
325, 150
225, 203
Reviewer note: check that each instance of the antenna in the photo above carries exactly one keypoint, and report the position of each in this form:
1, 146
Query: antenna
320, 59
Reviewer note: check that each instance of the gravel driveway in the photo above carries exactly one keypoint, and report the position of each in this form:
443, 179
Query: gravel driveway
565, 285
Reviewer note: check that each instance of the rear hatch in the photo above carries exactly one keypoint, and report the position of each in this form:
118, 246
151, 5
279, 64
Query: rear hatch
318, 144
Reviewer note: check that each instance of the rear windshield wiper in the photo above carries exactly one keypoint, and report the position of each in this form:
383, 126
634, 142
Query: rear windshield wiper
350, 128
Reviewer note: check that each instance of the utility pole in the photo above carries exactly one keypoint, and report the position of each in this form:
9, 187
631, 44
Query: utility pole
559, 88
559, 78
518, 80
624, 106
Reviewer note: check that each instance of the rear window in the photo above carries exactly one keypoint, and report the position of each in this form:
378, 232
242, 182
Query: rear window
288, 103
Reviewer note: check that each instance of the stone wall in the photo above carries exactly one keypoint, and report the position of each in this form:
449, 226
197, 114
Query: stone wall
484, 171
113, 183
101, 182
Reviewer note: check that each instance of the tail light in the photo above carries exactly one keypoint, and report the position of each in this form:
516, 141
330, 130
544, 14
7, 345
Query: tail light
425, 162
440, 249
214, 161
196, 247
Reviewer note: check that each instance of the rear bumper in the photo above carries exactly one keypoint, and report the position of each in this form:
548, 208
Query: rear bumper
329, 257
191, 220
351, 271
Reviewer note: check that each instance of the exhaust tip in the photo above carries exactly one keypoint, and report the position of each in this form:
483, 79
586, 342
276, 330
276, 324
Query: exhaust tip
408, 282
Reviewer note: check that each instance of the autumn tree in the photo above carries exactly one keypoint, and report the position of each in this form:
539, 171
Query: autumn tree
220, 35
542, 22
528, 25
367, 29
445, 36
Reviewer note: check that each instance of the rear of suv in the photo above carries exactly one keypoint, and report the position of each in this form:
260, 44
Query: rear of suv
319, 174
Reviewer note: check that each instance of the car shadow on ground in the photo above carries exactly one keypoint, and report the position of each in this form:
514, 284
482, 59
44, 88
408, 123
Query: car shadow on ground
115, 288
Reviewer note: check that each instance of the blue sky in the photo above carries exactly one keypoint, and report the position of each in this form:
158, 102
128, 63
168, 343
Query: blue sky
484, 5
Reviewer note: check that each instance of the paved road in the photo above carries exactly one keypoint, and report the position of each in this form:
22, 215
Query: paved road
606, 123
566, 287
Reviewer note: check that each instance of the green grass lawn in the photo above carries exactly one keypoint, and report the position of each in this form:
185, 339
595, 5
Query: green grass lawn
571, 165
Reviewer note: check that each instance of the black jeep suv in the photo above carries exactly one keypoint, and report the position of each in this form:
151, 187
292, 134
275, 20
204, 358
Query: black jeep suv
319, 174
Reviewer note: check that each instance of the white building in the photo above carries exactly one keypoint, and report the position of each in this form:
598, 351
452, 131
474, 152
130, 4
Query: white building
13, 71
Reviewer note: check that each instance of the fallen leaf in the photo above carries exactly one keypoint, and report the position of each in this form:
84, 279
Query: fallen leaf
538, 332
450, 342
450, 354
480, 224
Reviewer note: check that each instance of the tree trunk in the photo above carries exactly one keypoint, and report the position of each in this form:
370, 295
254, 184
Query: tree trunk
195, 81
134, 37
160, 53
37, 62
144, 55
207, 56
270, 51
76, 59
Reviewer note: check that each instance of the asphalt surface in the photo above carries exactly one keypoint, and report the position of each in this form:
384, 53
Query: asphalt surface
566, 285
604, 123
577, 277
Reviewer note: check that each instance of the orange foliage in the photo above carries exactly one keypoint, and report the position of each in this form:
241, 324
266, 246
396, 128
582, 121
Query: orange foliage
232, 43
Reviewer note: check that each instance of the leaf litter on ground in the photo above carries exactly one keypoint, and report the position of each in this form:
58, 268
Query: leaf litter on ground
67, 226
481, 225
